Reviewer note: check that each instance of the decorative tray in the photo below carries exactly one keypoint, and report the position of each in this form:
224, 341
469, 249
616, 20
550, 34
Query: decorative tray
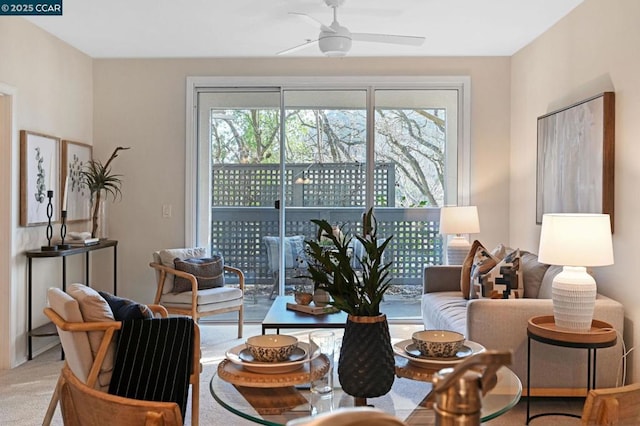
236, 374
544, 326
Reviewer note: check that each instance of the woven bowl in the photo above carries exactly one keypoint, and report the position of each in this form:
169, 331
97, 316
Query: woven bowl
438, 343
303, 298
271, 347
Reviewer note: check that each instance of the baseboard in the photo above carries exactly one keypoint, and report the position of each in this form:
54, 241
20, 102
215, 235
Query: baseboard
554, 392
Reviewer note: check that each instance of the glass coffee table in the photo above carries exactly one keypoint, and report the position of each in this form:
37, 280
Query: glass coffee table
406, 400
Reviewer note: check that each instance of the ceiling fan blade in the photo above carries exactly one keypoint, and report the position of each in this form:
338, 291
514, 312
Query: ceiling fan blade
298, 47
388, 38
313, 21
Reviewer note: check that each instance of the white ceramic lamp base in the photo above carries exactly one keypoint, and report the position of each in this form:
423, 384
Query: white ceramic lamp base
457, 250
574, 298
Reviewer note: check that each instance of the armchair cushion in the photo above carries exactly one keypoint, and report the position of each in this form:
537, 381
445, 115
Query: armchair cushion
95, 309
78, 350
126, 309
294, 256
209, 273
167, 257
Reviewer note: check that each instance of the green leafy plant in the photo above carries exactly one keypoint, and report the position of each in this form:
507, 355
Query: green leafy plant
98, 178
358, 292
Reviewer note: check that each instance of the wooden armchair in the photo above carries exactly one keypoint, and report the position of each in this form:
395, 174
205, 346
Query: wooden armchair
612, 406
195, 302
84, 406
89, 347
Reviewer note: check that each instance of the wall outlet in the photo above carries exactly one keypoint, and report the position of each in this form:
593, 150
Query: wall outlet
166, 210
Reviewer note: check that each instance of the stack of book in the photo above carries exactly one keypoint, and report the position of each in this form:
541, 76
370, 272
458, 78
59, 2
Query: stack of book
79, 239
313, 310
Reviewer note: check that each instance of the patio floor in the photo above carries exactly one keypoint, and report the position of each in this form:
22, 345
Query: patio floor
401, 304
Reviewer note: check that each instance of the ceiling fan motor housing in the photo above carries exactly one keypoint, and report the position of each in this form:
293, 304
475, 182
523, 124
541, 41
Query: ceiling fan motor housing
337, 43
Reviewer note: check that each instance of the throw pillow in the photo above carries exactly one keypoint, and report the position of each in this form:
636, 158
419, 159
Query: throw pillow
483, 262
166, 257
209, 272
126, 309
478, 261
504, 281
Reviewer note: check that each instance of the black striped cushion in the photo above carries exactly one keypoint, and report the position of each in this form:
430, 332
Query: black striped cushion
153, 360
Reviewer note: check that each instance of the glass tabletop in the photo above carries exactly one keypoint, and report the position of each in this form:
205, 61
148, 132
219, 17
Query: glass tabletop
406, 400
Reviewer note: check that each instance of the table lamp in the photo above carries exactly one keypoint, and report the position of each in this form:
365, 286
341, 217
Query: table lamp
458, 220
575, 241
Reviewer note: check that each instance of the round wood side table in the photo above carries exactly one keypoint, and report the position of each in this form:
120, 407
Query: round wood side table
543, 329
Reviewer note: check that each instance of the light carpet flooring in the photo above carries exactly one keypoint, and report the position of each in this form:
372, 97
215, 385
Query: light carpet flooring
25, 390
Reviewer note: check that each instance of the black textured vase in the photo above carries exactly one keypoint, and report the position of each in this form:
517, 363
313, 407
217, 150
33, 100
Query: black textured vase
367, 365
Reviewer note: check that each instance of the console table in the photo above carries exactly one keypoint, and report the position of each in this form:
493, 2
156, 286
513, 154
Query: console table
49, 329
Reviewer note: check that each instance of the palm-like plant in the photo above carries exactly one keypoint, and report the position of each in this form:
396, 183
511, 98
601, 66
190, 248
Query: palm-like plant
358, 294
98, 178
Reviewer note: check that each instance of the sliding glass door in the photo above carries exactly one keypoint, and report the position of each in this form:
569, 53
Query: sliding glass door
270, 159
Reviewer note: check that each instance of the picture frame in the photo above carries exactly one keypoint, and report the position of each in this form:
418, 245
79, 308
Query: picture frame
39, 173
75, 157
575, 159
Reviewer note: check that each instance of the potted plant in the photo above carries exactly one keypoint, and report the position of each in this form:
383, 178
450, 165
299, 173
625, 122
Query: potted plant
367, 366
98, 178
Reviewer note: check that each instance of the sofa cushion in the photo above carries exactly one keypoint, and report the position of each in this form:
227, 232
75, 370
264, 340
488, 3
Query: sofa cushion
504, 281
546, 291
209, 272
532, 273
167, 257
444, 310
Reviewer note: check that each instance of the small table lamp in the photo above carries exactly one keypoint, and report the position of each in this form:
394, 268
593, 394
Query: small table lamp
575, 241
458, 220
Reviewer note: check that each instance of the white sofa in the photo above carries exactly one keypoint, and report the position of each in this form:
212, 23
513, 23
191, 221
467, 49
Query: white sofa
502, 324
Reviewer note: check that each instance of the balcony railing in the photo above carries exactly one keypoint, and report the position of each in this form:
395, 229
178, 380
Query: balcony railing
243, 213
238, 233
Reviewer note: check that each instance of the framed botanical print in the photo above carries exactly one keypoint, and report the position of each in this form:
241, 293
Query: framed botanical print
75, 157
39, 174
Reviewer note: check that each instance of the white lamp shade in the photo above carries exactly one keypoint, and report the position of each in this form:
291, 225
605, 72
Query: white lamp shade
576, 239
459, 220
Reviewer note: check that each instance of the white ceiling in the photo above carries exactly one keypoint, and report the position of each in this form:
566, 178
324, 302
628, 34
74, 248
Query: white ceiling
261, 28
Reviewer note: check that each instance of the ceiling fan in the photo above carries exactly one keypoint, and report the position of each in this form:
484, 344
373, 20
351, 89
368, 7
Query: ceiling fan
335, 39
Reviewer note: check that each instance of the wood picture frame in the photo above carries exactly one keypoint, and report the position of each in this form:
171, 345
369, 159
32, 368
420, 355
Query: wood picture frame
75, 157
575, 165
39, 173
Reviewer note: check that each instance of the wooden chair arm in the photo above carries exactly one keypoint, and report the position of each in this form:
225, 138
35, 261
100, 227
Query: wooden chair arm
159, 310
164, 270
81, 326
237, 272
194, 282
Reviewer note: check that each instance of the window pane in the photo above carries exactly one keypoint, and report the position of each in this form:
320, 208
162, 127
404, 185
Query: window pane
416, 133
325, 148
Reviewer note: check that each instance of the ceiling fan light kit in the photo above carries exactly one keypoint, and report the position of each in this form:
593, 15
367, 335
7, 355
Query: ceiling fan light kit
335, 40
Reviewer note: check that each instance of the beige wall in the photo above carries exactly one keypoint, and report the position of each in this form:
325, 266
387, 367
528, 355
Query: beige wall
592, 50
52, 91
141, 103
